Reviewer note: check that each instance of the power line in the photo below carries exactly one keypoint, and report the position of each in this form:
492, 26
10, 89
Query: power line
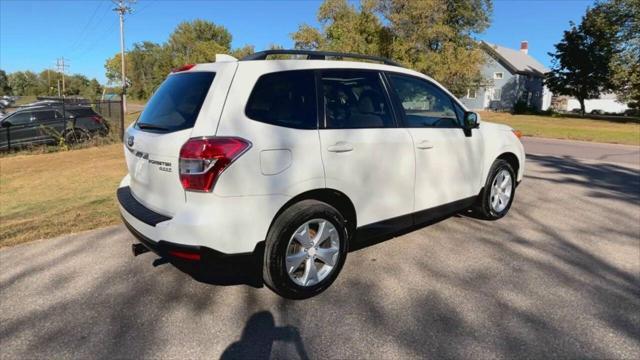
84, 39
82, 33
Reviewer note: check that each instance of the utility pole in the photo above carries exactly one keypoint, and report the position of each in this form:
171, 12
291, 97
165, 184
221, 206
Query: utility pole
60, 63
123, 8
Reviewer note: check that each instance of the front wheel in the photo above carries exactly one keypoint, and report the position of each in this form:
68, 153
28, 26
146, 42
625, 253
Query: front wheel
305, 250
498, 193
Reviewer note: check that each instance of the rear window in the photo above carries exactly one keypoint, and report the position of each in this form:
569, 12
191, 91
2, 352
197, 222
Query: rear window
286, 99
85, 112
176, 103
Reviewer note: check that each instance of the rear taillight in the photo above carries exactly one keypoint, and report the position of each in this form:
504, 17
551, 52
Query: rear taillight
202, 160
96, 119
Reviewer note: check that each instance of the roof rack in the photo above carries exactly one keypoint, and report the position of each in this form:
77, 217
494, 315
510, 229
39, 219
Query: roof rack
317, 55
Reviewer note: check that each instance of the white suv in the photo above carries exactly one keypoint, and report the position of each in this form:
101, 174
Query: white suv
294, 160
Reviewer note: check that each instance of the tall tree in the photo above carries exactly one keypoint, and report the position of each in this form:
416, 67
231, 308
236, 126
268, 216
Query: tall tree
433, 36
149, 63
344, 28
581, 62
625, 63
199, 41
5, 89
26, 83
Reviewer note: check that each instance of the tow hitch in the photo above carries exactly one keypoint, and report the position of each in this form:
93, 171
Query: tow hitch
138, 249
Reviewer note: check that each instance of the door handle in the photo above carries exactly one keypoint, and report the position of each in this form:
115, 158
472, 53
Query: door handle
340, 147
424, 144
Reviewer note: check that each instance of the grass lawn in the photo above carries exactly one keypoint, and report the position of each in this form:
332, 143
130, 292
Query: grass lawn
45, 195
569, 128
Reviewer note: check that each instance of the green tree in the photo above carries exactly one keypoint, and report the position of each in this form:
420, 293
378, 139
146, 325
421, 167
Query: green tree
26, 83
5, 89
239, 53
149, 63
344, 28
434, 37
581, 62
199, 41
624, 16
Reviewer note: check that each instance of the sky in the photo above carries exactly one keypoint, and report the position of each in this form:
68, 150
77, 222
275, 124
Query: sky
34, 33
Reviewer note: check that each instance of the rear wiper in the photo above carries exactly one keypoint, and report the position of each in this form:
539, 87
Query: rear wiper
151, 127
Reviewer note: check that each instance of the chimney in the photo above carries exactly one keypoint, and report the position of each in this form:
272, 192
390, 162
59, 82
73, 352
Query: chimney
524, 46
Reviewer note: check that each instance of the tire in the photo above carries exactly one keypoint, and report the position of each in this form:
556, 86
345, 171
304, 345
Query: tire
281, 245
76, 136
492, 205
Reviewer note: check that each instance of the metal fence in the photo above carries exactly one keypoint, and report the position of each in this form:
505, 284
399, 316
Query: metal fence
56, 121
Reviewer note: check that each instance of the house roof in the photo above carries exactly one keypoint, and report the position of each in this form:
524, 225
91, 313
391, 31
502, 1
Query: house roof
516, 60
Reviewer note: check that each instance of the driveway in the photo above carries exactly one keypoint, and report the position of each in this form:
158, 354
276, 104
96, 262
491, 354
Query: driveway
557, 278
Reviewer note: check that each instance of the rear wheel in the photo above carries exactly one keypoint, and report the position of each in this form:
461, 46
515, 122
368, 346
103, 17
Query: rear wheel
76, 136
498, 193
305, 250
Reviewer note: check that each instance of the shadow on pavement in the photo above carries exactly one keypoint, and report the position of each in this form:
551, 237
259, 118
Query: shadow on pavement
258, 337
553, 279
604, 179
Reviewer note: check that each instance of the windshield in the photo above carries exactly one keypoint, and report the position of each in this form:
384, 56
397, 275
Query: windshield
176, 103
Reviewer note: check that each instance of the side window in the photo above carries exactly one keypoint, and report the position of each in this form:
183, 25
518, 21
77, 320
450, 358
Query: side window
20, 119
48, 115
286, 99
354, 100
424, 104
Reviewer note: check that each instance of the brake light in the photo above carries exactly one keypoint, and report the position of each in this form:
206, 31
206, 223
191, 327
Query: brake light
202, 160
183, 68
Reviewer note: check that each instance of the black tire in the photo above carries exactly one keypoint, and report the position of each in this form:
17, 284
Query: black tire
274, 269
483, 206
76, 136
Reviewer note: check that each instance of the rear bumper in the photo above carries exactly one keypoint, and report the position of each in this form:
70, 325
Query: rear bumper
202, 257
140, 220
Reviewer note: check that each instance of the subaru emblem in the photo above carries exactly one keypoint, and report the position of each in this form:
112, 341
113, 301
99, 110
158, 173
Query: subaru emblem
130, 141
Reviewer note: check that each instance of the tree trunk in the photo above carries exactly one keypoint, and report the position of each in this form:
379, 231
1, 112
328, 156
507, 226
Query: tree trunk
582, 109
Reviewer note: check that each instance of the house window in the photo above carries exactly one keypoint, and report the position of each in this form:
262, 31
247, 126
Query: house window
498, 75
472, 94
497, 94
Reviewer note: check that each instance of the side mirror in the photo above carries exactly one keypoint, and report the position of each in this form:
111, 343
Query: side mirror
471, 120
5, 124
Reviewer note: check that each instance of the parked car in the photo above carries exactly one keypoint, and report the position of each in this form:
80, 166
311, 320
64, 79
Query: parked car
632, 112
293, 161
42, 103
47, 124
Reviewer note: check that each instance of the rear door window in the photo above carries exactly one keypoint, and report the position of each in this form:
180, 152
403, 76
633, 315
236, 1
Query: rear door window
177, 102
286, 99
84, 112
47, 115
355, 100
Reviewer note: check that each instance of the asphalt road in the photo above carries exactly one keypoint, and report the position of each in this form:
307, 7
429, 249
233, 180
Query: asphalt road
557, 278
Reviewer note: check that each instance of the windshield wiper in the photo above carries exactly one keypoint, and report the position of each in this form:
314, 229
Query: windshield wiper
151, 127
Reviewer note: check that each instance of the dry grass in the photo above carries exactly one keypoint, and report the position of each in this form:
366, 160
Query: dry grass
45, 195
569, 128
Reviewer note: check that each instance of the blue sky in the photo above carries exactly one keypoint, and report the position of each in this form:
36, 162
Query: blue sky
34, 33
